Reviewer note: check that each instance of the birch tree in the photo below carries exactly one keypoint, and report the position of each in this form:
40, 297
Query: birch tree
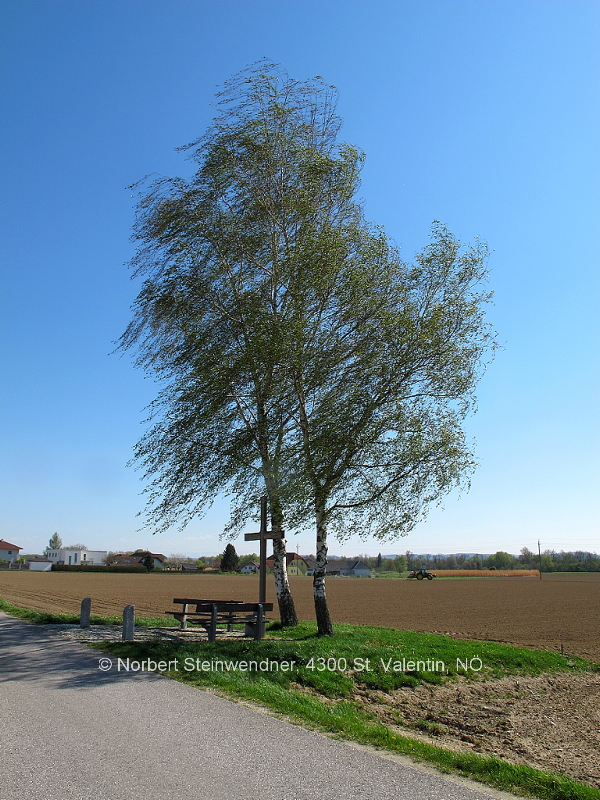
384, 384
298, 353
226, 257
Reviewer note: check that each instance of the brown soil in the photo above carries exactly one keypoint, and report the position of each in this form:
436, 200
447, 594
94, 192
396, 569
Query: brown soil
560, 610
551, 722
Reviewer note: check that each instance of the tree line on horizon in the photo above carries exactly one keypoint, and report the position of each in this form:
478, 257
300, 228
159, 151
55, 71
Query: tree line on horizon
230, 561
551, 561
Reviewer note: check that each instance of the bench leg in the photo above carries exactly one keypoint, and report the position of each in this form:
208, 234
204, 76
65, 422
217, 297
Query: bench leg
256, 627
184, 617
212, 626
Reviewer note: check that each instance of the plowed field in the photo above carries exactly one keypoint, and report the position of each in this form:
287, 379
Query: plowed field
562, 609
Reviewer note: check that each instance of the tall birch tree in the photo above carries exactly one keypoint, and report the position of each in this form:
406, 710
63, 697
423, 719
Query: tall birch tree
226, 256
299, 354
384, 383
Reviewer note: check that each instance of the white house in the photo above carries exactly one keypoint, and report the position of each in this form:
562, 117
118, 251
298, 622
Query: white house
251, 568
76, 556
8, 551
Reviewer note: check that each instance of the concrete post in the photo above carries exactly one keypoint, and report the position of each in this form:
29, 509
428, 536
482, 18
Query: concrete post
128, 623
86, 611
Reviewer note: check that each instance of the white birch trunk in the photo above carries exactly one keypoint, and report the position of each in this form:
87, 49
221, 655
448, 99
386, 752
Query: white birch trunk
287, 610
324, 626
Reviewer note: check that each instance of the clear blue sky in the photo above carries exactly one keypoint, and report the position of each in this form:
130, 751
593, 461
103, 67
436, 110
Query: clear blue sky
481, 114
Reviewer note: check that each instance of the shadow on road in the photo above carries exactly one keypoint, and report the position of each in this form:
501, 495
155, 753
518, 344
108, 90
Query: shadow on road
28, 652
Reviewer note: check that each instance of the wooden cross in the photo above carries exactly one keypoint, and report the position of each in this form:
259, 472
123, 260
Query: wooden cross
262, 537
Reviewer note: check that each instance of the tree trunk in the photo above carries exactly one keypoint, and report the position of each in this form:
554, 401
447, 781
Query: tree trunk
324, 626
287, 609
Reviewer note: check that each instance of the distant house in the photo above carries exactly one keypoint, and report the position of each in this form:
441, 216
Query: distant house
137, 559
343, 567
75, 556
8, 551
296, 565
355, 568
39, 564
189, 568
251, 568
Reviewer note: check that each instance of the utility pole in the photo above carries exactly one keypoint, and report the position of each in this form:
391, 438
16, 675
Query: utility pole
540, 555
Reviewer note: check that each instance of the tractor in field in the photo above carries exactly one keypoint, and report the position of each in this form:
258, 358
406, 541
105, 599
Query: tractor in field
421, 574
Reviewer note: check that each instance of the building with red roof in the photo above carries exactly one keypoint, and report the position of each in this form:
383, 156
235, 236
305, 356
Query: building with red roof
8, 551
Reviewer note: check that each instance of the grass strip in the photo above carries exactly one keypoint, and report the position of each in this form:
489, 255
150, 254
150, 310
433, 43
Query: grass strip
46, 618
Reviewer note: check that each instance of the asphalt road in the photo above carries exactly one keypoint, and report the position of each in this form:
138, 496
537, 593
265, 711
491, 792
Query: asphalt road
71, 731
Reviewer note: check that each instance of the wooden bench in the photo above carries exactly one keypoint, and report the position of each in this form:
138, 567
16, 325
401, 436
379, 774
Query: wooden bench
210, 613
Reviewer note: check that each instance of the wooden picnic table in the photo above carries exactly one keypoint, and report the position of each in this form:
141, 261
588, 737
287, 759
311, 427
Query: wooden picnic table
209, 613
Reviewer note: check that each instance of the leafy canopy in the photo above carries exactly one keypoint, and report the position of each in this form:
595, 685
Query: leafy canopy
237, 262
294, 347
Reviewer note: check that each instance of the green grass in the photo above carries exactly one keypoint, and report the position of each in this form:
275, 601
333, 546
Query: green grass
45, 618
358, 657
319, 690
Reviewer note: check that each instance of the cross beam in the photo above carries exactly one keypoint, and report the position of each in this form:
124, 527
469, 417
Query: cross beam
262, 536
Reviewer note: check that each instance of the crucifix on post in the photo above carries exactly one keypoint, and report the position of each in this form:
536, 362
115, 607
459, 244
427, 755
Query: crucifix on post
262, 537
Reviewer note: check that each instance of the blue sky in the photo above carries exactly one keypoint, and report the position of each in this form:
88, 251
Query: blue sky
484, 115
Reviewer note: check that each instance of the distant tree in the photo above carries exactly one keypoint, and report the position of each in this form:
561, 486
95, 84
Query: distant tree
148, 561
113, 557
247, 559
55, 542
230, 560
501, 560
400, 564
174, 561
528, 559
548, 563
378, 562
200, 564
76, 547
